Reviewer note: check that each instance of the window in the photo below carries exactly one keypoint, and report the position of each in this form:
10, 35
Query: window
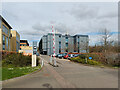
0, 23
66, 39
59, 38
17, 38
7, 43
5, 30
17, 46
66, 44
3, 42
59, 45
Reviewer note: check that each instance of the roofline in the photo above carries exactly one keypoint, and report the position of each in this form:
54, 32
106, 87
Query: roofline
26, 41
81, 35
55, 34
5, 22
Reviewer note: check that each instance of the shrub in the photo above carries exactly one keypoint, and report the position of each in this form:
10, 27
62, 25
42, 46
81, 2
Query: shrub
91, 62
16, 60
83, 61
75, 59
82, 56
37, 61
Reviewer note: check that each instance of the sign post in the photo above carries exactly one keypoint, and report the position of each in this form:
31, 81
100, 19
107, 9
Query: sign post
34, 53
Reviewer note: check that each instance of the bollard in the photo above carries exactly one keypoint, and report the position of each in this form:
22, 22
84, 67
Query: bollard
54, 61
51, 59
42, 63
86, 60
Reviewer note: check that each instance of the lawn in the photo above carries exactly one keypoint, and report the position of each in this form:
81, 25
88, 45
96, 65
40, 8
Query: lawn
8, 73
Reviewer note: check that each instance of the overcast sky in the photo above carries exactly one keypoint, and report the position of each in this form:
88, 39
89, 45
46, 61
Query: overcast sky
33, 19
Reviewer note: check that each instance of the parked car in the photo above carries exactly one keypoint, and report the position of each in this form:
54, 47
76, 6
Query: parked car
63, 54
59, 55
71, 56
53, 55
66, 56
76, 55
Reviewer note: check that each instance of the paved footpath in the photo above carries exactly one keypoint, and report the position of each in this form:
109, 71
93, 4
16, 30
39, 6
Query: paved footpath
67, 75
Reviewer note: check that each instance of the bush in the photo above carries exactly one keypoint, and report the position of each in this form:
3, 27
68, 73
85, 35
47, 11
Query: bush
91, 62
16, 60
83, 61
37, 61
109, 59
75, 59
82, 56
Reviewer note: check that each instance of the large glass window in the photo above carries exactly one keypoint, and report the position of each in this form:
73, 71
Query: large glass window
59, 38
66, 44
9, 33
0, 23
59, 45
3, 42
17, 46
5, 30
17, 38
66, 39
7, 43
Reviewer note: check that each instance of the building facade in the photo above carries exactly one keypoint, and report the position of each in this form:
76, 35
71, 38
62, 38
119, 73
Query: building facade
63, 43
5, 35
25, 48
23, 43
15, 41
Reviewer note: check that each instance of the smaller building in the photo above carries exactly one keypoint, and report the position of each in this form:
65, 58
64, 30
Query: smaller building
15, 41
23, 43
26, 50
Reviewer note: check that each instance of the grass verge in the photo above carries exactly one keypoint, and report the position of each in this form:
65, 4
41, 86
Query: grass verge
8, 73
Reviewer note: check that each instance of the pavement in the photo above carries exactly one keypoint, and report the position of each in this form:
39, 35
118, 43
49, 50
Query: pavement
67, 75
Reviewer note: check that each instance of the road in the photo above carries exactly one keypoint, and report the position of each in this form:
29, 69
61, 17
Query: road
67, 75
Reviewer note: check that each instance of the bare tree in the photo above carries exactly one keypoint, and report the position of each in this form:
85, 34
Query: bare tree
105, 36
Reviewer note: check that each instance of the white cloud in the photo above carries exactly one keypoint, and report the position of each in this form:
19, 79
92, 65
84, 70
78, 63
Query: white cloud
75, 18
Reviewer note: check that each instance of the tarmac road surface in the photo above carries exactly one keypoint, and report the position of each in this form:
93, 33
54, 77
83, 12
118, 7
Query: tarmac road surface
67, 75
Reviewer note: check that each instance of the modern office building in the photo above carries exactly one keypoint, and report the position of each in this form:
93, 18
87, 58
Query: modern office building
5, 35
64, 43
15, 41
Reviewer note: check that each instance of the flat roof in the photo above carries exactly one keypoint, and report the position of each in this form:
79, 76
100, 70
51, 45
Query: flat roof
24, 41
81, 35
5, 22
